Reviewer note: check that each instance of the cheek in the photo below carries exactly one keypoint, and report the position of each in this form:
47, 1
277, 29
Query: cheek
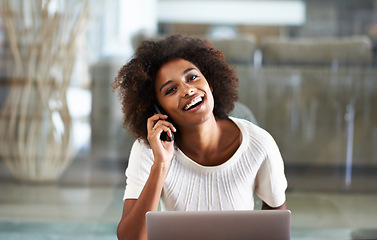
169, 105
209, 91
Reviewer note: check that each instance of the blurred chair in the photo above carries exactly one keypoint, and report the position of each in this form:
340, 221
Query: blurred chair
348, 59
241, 111
237, 50
346, 51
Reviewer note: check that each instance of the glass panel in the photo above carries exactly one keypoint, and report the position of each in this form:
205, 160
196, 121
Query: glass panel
311, 83
324, 120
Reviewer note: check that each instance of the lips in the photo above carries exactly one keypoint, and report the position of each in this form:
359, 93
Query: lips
193, 103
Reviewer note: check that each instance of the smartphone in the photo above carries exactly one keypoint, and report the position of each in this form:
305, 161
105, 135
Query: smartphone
164, 135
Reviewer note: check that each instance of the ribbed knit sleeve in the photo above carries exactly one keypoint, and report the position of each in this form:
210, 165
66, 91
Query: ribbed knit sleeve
137, 173
270, 183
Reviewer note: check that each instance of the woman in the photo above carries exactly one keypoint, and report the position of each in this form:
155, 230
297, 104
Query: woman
215, 162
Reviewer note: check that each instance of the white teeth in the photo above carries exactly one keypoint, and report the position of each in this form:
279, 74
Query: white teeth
193, 102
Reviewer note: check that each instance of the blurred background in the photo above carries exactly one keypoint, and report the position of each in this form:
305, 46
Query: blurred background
308, 75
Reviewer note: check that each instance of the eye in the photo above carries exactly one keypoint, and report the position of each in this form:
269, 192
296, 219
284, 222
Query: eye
192, 77
170, 91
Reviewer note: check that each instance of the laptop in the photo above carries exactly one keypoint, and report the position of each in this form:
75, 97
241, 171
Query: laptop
219, 225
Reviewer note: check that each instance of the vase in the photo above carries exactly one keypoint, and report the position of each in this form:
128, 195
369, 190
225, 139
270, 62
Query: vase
35, 122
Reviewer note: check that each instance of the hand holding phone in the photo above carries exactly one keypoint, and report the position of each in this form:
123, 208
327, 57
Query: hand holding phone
164, 135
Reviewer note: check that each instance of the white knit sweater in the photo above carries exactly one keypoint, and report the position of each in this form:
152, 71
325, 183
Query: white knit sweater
256, 166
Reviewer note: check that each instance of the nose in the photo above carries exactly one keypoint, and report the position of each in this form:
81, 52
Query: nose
187, 90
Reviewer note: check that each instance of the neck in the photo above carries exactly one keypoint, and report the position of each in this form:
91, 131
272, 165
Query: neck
200, 140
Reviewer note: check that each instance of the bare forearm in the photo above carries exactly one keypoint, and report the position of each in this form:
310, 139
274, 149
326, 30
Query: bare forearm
132, 225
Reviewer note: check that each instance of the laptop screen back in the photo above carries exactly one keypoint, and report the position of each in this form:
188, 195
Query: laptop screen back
256, 224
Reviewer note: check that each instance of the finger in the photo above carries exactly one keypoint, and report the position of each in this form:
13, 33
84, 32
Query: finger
156, 136
165, 129
165, 124
154, 119
158, 116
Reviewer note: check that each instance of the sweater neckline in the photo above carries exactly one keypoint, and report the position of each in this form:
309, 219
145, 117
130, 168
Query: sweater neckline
181, 156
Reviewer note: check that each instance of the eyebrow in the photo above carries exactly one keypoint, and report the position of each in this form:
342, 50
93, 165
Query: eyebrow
163, 85
170, 81
188, 70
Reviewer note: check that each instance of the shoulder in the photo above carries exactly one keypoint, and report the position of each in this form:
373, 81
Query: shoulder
250, 128
141, 153
140, 145
256, 136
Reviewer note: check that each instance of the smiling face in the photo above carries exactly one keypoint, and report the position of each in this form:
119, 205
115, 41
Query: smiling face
183, 92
